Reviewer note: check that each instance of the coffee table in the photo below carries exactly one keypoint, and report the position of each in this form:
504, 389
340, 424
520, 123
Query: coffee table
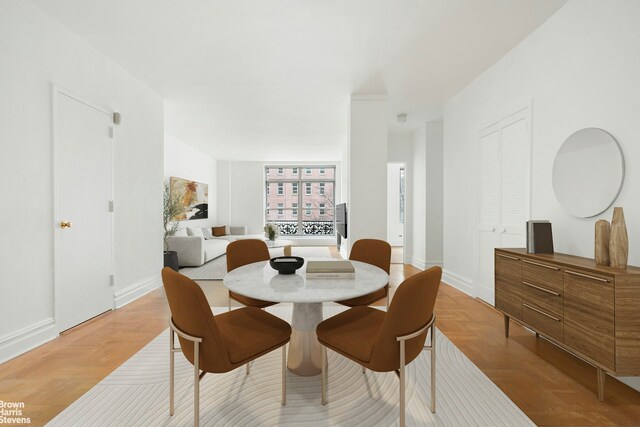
260, 281
280, 243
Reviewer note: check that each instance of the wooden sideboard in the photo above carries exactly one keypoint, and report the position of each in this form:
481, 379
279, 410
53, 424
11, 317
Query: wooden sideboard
589, 310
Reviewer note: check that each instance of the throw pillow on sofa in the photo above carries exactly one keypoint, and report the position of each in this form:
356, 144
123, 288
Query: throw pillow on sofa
195, 231
219, 231
206, 232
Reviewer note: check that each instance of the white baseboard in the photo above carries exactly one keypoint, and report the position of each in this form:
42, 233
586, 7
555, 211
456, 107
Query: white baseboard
417, 263
135, 291
25, 339
485, 294
422, 264
458, 282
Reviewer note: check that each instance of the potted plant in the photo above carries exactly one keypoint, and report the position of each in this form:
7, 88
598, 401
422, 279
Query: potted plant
271, 231
171, 209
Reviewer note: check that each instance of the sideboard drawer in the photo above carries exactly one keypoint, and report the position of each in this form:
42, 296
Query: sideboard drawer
548, 323
540, 273
543, 296
589, 315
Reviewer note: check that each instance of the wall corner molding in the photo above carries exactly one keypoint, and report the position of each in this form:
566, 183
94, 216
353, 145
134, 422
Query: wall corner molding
18, 342
133, 292
459, 282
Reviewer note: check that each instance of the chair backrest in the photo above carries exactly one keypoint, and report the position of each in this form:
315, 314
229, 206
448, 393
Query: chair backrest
411, 308
192, 314
246, 251
372, 251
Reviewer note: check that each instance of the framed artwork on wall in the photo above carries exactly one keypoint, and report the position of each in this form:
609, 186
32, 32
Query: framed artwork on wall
194, 196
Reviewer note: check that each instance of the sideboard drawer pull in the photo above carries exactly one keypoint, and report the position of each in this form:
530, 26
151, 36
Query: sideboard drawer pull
541, 312
509, 256
541, 288
586, 276
550, 267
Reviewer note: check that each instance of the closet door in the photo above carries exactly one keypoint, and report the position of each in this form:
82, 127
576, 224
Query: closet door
515, 165
489, 208
503, 192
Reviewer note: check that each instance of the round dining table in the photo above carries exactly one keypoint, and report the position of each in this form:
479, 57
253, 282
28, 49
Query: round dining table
259, 280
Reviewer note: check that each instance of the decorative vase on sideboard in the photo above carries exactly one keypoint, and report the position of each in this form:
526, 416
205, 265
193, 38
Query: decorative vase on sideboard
602, 237
619, 240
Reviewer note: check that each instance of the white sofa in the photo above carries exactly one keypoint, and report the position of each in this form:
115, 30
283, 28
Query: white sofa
196, 245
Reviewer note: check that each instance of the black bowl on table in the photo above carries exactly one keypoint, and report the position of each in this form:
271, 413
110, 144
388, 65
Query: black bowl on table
286, 264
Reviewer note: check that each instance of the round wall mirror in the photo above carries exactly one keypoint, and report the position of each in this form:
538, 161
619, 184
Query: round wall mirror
588, 172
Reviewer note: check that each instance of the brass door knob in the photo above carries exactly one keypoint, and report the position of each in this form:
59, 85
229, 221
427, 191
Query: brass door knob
66, 224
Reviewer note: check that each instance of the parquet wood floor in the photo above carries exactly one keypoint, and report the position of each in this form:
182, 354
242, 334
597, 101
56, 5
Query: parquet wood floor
552, 387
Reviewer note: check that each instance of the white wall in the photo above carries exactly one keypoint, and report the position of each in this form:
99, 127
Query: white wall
433, 194
395, 228
419, 200
240, 196
37, 51
183, 161
367, 179
582, 69
400, 150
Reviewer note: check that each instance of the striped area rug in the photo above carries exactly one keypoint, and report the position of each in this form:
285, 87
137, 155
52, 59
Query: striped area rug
137, 393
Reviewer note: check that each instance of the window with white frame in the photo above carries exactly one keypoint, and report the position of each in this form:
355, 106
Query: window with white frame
300, 199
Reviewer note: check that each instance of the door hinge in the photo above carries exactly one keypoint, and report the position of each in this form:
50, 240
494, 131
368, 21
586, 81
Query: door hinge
112, 280
110, 205
117, 118
111, 132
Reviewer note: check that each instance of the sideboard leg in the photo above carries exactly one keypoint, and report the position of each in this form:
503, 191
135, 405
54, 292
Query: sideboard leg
506, 326
601, 377
537, 335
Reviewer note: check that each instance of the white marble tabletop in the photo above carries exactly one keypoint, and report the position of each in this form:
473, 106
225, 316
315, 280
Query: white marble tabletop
259, 280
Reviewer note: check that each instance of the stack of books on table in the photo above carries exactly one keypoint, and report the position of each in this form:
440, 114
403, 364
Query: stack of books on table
330, 270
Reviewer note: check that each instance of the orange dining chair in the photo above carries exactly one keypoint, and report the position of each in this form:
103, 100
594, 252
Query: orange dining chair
217, 344
375, 252
243, 252
385, 342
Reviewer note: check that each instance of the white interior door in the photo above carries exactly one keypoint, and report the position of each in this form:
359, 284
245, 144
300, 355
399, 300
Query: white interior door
83, 194
489, 208
503, 192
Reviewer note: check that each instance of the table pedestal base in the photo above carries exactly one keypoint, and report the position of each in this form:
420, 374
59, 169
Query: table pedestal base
305, 353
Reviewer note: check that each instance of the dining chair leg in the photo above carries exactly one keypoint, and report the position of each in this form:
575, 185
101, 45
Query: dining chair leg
388, 296
196, 384
402, 379
284, 376
324, 375
171, 371
433, 367
229, 302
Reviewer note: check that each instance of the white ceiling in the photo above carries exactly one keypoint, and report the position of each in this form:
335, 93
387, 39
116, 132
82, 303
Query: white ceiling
270, 80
